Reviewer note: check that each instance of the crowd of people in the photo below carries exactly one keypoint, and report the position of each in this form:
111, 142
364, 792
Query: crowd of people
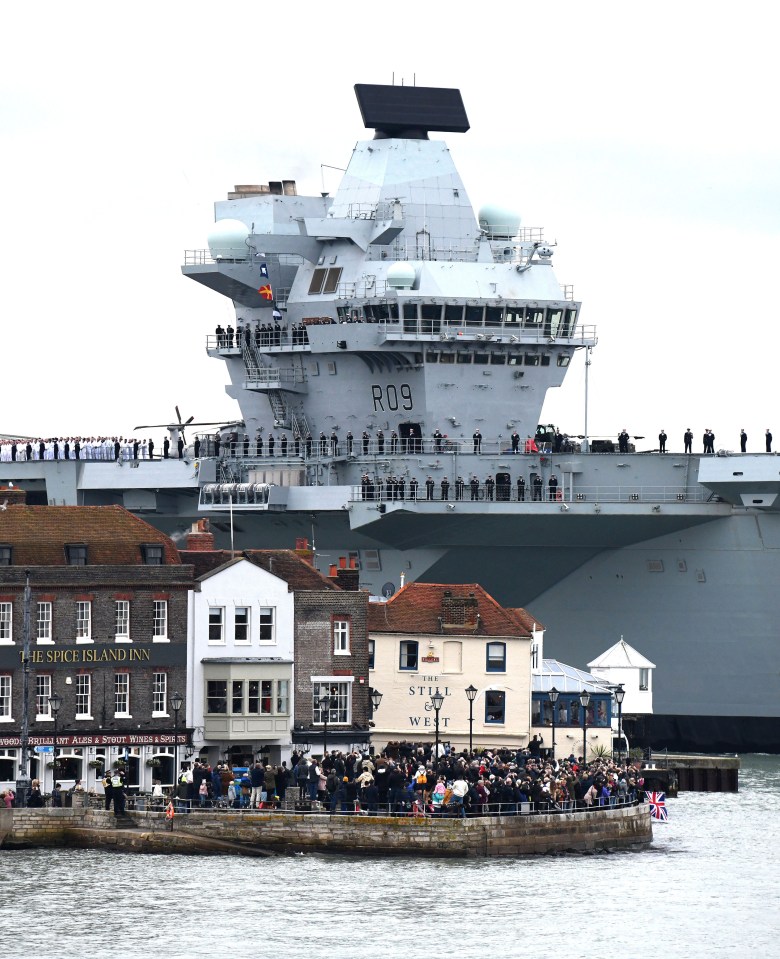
415, 781
105, 448
394, 489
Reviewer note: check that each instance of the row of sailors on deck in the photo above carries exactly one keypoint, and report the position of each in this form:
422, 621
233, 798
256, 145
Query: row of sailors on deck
262, 335
394, 489
368, 444
108, 448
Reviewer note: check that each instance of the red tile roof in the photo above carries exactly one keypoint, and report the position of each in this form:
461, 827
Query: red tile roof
112, 535
284, 563
424, 607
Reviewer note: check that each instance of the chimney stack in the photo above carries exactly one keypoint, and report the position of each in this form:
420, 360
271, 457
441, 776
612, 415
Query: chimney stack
199, 539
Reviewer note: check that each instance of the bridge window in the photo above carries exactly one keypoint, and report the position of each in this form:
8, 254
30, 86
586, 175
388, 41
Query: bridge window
317, 280
532, 359
332, 280
493, 315
447, 358
410, 311
464, 357
482, 359
453, 314
497, 359
515, 316
432, 356
534, 317
545, 359
474, 316
564, 360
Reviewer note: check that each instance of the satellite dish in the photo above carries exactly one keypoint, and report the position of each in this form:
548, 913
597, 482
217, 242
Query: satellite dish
388, 590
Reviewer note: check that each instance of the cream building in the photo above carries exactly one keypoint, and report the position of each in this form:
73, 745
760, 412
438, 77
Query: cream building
431, 638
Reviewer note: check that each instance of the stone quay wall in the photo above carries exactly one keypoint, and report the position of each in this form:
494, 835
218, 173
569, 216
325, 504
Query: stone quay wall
487, 836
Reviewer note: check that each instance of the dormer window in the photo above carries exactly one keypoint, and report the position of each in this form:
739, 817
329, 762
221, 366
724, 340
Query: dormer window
76, 554
152, 554
6, 555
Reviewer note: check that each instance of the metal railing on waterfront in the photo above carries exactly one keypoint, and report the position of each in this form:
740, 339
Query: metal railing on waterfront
393, 490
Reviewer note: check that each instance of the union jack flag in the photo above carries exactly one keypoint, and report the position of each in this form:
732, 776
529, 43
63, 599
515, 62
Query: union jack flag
658, 806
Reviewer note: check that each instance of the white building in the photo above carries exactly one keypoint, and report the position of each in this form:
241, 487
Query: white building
622, 664
240, 664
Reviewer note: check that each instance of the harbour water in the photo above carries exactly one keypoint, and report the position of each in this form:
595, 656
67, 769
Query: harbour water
708, 887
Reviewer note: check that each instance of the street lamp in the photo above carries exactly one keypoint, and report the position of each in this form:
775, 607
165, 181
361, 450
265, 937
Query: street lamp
55, 705
376, 699
177, 701
584, 702
437, 701
619, 696
553, 694
471, 694
325, 703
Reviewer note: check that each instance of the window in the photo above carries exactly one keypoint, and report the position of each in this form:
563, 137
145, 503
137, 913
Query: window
159, 694
42, 693
496, 658
339, 695
253, 701
216, 696
266, 696
84, 696
644, 679
83, 621
76, 554
216, 624
6, 622
5, 697
282, 696
317, 279
495, 706
241, 624
340, 628
267, 624
122, 694
408, 657
43, 623
122, 621
6, 555
160, 623
332, 281
371, 651
153, 554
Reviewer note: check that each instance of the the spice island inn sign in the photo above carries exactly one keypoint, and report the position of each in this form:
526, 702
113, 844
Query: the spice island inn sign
135, 654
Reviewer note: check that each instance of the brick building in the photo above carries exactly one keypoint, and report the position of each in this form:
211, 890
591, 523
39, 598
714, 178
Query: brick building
108, 636
318, 638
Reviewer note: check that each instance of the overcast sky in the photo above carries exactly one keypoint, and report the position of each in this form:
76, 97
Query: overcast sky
643, 138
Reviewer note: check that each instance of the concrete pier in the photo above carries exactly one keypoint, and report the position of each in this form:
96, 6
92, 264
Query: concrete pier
263, 833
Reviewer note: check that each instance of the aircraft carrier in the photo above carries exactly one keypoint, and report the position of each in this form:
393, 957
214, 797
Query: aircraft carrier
389, 358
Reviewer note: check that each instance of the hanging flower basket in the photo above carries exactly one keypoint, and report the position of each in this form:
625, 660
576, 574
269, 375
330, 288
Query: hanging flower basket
154, 762
96, 763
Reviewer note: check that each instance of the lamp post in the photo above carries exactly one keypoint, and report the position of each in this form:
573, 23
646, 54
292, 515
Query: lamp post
619, 696
376, 699
553, 694
325, 703
177, 701
437, 701
584, 702
55, 705
471, 694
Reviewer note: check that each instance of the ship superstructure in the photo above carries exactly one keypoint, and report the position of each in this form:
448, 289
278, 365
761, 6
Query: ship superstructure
390, 356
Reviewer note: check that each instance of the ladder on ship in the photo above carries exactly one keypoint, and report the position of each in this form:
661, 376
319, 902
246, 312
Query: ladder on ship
285, 417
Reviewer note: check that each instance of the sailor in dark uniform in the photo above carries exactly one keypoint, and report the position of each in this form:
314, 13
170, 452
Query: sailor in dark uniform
350, 443
515, 442
552, 486
520, 489
380, 441
413, 484
768, 442
474, 487
365, 443
284, 444
743, 441
459, 487
662, 441
445, 489
688, 440
490, 485
429, 488
271, 444
477, 437
334, 444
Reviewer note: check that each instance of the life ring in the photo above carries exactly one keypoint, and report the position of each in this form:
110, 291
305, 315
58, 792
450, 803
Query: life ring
169, 811
559, 495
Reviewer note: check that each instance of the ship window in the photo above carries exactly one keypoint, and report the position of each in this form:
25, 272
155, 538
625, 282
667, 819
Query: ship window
553, 321
563, 360
515, 316
447, 358
515, 360
545, 359
410, 311
464, 357
392, 310
569, 322
473, 316
430, 311
534, 317
317, 279
497, 359
343, 313
482, 359
332, 281
531, 359
493, 315
453, 314
431, 356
